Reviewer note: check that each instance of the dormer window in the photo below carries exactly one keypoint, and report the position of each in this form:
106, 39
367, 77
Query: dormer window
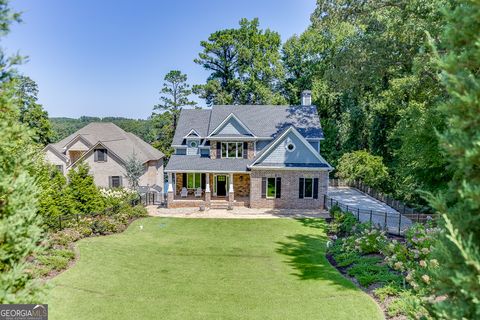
100, 155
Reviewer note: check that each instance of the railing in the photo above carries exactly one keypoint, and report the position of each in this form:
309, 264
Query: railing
392, 222
417, 215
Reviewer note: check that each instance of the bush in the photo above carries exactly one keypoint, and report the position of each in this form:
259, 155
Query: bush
53, 262
407, 304
342, 223
390, 290
366, 242
367, 271
65, 237
361, 165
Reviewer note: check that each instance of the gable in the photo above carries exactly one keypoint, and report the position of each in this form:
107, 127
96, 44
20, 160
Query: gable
231, 126
79, 145
290, 150
301, 153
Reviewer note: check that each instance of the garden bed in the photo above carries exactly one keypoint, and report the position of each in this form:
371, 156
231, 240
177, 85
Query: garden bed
59, 251
393, 271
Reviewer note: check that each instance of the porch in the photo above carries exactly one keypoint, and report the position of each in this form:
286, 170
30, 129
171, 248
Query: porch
194, 189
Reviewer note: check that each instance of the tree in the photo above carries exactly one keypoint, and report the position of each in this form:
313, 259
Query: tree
32, 113
83, 194
19, 223
174, 94
245, 66
458, 251
135, 169
360, 165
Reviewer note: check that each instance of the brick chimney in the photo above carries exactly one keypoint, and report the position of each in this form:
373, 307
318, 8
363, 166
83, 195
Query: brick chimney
306, 98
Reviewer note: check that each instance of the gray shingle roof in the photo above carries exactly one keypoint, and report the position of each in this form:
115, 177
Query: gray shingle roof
197, 163
122, 143
263, 121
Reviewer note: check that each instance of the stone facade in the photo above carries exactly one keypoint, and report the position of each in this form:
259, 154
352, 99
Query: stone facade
241, 185
290, 184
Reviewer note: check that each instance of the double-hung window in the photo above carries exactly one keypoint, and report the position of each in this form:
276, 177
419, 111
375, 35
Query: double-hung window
194, 180
232, 149
115, 181
271, 187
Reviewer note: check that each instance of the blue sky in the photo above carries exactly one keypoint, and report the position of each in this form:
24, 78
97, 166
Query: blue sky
109, 57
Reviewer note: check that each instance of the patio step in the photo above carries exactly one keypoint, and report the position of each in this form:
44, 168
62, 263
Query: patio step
219, 205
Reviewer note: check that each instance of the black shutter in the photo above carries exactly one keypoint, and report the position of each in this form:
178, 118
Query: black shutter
203, 181
95, 155
264, 187
219, 149
315, 188
301, 187
184, 182
245, 150
110, 182
279, 187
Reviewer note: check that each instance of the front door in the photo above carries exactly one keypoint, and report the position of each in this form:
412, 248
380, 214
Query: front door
221, 186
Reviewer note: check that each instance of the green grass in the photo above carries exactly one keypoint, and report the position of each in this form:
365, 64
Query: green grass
208, 269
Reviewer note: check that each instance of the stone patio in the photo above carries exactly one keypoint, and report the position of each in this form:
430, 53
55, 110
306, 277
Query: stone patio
236, 213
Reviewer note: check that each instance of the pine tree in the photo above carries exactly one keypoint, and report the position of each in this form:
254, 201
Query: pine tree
458, 278
82, 191
19, 223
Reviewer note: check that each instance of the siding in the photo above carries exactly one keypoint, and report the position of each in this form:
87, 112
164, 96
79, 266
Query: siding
232, 127
315, 145
54, 159
301, 154
262, 144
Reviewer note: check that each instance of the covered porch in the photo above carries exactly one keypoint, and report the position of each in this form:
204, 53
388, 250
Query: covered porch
211, 189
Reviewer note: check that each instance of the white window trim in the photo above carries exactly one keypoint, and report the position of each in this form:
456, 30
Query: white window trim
193, 142
290, 143
236, 150
304, 188
194, 174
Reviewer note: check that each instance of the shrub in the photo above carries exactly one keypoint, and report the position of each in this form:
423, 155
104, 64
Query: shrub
367, 241
361, 165
65, 237
342, 223
390, 290
407, 304
367, 271
53, 262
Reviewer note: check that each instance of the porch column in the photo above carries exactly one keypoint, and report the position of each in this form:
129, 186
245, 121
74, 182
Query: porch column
230, 191
170, 191
208, 194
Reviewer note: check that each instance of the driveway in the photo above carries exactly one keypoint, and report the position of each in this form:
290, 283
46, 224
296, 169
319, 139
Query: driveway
365, 208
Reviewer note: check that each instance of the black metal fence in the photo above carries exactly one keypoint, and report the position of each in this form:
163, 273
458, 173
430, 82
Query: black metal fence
415, 214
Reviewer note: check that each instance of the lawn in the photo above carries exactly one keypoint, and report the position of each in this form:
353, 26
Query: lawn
208, 269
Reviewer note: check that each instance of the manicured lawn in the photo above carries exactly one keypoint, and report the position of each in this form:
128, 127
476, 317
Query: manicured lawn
208, 269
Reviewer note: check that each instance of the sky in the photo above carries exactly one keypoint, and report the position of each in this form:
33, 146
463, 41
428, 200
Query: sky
108, 57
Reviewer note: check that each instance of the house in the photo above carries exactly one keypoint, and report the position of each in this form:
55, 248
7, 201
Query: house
106, 148
252, 155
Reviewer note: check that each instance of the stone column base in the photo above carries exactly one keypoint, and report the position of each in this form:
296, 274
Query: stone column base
230, 200
208, 199
169, 199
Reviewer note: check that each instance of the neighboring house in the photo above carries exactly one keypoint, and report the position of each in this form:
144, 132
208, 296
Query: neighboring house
258, 156
106, 148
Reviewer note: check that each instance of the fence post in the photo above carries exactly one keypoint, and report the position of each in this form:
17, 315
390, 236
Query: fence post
418, 217
346, 209
324, 201
399, 223
78, 218
371, 213
385, 226
358, 214
331, 202
60, 221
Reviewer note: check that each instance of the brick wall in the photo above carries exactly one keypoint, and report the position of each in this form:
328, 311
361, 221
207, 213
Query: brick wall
289, 195
241, 185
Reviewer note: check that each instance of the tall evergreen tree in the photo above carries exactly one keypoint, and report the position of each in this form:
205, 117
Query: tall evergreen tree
245, 65
458, 278
83, 194
31, 112
19, 223
174, 94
